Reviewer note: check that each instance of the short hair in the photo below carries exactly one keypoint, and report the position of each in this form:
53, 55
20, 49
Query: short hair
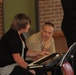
20, 21
48, 23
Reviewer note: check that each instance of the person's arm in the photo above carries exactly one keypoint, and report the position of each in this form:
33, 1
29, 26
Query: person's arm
31, 53
21, 62
52, 48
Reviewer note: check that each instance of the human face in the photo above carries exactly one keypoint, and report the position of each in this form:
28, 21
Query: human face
47, 32
26, 29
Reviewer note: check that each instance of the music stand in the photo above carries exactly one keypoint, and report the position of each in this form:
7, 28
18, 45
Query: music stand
69, 55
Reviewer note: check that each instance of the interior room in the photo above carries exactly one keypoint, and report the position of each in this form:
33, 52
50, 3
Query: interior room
40, 11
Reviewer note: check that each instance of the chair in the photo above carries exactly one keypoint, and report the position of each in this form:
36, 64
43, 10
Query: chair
64, 67
67, 69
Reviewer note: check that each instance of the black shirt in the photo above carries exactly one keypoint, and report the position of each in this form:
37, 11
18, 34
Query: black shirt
10, 44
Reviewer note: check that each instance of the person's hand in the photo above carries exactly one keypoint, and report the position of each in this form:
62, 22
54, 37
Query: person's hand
43, 53
33, 72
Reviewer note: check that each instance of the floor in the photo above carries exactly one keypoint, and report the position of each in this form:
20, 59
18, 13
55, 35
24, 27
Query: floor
60, 43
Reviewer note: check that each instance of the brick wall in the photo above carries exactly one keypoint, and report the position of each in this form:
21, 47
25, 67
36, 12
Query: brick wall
1, 20
51, 10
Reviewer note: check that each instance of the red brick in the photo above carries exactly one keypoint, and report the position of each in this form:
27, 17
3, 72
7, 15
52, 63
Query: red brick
53, 9
1, 21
